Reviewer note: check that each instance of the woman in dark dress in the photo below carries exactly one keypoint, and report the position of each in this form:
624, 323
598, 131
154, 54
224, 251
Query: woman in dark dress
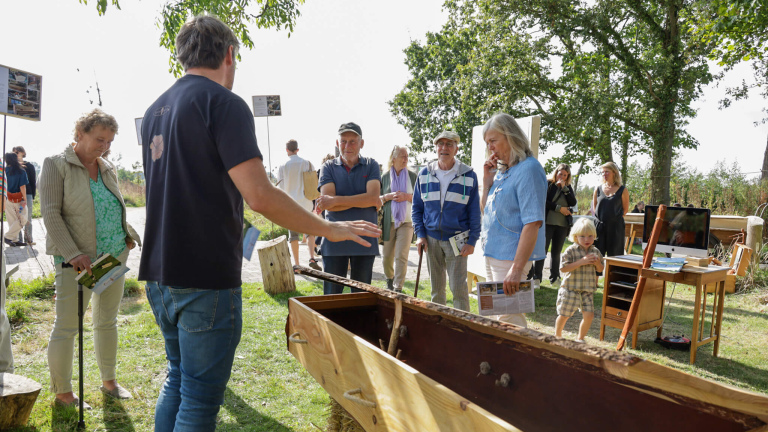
611, 203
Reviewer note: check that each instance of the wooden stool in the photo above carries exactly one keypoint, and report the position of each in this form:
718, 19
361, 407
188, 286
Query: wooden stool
276, 268
17, 397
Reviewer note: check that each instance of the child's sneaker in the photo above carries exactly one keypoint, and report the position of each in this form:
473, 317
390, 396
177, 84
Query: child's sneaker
580, 341
536, 284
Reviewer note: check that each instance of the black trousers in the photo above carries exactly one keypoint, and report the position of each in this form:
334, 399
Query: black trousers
555, 235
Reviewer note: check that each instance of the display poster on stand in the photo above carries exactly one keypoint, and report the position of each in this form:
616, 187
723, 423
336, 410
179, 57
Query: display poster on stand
21, 93
267, 106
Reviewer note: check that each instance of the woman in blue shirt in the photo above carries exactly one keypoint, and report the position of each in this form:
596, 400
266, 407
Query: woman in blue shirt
513, 197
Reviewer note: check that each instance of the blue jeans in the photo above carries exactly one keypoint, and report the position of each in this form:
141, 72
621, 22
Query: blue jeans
362, 271
201, 328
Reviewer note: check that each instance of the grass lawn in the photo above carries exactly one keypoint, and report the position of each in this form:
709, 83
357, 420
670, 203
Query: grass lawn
270, 391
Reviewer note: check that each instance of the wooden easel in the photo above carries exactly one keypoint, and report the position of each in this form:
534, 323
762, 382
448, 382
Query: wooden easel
647, 259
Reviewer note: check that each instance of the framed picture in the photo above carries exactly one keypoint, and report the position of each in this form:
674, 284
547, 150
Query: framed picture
20, 93
267, 106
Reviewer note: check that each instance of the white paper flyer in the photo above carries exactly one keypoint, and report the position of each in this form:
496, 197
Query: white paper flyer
491, 299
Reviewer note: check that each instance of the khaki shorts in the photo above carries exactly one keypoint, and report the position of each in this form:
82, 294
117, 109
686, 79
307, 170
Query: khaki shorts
569, 301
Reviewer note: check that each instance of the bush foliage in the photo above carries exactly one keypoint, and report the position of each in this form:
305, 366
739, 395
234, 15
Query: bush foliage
725, 190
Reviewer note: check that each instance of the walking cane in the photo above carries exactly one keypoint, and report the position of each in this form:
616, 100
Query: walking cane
418, 272
81, 422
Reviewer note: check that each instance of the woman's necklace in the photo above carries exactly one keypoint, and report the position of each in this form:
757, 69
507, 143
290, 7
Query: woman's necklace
609, 190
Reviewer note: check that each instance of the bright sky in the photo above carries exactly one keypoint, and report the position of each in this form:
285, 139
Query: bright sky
343, 63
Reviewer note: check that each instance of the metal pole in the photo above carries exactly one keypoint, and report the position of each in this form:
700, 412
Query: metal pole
81, 423
269, 153
269, 150
2, 225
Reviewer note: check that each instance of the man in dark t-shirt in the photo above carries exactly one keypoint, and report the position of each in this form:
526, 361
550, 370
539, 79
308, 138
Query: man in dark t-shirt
200, 161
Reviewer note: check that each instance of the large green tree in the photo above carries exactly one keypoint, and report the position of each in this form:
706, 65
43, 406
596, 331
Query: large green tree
606, 76
238, 14
738, 32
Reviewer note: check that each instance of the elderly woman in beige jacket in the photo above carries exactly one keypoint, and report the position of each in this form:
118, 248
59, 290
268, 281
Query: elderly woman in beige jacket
84, 214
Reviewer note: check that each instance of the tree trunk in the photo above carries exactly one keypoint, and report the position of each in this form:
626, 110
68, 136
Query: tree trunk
661, 169
575, 178
663, 143
603, 145
624, 163
764, 175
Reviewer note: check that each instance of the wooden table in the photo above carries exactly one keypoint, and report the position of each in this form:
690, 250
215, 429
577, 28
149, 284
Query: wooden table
700, 277
621, 274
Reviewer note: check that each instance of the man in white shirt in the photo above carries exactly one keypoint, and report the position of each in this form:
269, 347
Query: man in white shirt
290, 177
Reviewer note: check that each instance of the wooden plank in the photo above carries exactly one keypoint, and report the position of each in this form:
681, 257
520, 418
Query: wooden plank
406, 400
662, 377
333, 302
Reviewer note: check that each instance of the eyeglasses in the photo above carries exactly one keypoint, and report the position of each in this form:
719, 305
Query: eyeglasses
449, 144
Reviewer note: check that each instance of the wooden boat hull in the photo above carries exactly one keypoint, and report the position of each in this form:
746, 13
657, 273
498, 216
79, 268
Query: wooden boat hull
437, 384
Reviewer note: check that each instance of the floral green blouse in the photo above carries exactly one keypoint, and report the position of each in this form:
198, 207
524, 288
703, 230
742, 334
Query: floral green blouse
110, 235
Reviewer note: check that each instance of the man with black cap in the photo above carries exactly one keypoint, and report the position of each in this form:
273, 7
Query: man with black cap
349, 190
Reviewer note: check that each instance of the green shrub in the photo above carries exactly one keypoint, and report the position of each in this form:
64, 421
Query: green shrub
724, 189
40, 287
268, 229
133, 287
18, 310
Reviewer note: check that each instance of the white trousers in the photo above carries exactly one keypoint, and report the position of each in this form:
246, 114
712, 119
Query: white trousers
16, 219
61, 345
496, 270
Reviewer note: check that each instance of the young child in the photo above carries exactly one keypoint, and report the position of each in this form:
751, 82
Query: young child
580, 264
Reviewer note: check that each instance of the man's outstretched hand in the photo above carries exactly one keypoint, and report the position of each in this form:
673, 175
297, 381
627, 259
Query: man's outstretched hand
353, 230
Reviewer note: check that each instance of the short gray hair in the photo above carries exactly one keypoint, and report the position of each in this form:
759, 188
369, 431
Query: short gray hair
203, 41
505, 124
